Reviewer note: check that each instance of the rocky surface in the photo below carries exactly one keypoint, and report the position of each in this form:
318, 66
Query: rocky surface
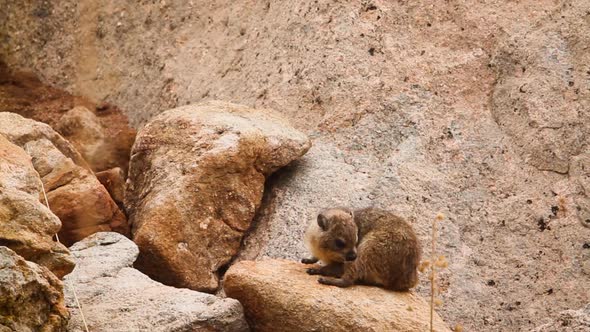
116, 297
74, 194
31, 297
410, 107
100, 133
569, 321
28, 226
280, 293
196, 179
114, 181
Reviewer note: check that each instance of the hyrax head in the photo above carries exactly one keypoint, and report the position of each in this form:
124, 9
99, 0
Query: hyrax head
339, 234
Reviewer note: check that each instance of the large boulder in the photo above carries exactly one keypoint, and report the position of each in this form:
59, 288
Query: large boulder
74, 194
31, 297
116, 297
100, 133
28, 226
196, 179
280, 293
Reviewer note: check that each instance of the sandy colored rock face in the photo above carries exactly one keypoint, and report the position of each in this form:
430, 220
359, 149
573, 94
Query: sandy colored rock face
114, 181
195, 182
82, 204
278, 294
27, 226
100, 133
542, 95
569, 321
117, 297
409, 106
31, 297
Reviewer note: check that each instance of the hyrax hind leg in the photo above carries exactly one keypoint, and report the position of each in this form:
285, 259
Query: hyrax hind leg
349, 276
330, 270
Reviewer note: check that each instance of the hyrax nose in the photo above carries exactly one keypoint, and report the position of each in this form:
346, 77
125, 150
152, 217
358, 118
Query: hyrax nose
350, 256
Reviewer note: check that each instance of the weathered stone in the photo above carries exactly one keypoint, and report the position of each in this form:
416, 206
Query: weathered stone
279, 293
82, 204
31, 297
568, 321
117, 297
27, 226
196, 178
102, 136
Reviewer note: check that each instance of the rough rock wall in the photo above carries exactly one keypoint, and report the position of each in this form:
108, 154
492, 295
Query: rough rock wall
475, 109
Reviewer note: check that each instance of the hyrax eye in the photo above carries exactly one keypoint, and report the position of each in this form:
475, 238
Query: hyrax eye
339, 244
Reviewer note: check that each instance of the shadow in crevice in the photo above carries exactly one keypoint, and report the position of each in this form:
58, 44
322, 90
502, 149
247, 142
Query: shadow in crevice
250, 248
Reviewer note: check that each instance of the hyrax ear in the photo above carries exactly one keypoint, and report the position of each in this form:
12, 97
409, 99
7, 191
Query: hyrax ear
322, 222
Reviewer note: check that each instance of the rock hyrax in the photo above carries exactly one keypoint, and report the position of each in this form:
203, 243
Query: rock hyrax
368, 246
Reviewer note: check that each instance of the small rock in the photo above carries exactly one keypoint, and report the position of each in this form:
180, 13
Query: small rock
84, 130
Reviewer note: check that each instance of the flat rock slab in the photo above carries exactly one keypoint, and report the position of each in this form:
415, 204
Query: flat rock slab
279, 295
117, 297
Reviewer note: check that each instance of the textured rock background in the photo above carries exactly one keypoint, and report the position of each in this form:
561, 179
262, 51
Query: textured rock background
117, 297
478, 110
568, 321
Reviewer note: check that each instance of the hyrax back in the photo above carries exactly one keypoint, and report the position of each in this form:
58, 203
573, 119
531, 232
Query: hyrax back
387, 252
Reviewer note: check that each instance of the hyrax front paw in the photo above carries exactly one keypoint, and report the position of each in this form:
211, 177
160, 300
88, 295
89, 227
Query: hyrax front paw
312, 271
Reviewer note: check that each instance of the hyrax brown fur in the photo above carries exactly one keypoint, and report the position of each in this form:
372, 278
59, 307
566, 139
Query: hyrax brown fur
368, 246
